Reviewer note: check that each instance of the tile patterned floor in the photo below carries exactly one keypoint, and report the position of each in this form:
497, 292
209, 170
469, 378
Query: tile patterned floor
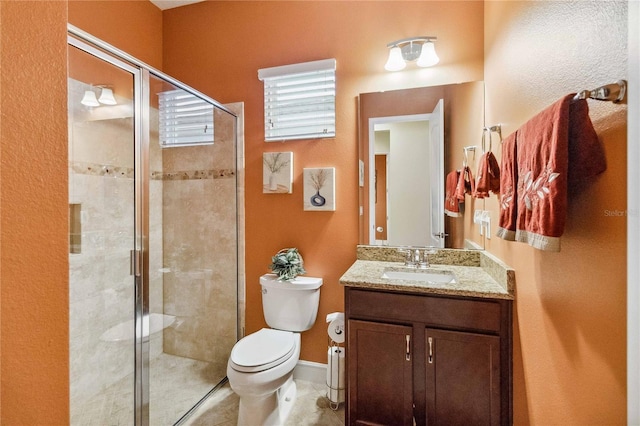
311, 408
178, 383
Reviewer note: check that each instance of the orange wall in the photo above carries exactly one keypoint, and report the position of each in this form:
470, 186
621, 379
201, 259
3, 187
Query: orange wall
134, 27
34, 294
218, 47
569, 323
33, 196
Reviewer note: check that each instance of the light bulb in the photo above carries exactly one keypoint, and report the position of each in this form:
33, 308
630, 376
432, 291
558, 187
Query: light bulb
89, 99
106, 97
428, 56
395, 61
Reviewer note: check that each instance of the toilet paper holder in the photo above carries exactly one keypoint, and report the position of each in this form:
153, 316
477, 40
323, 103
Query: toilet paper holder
335, 375
335, 360
336, 326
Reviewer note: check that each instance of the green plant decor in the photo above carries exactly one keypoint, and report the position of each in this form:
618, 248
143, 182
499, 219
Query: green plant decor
287, 264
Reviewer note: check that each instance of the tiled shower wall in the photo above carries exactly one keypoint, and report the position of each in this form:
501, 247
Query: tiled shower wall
101, 287
200, 248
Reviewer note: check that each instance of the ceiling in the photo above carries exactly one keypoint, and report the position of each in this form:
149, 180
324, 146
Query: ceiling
170, 4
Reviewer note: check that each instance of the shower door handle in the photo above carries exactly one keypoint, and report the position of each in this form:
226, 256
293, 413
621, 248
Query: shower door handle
135, 263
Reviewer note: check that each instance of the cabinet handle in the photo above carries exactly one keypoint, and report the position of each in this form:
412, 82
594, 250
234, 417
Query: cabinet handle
407, 355
430, 339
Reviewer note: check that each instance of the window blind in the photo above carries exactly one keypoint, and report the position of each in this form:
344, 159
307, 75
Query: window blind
299, 100
185, 119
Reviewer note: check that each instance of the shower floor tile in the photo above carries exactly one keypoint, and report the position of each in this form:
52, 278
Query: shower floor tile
176, 385
311, 408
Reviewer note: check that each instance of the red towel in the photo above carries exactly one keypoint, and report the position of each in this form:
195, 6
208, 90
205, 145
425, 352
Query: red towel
488, 177
451, 202
555, 151
508, 189
586, 153
466, 184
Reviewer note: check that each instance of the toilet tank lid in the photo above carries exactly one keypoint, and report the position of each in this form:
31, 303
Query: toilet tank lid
299, 283
262, 347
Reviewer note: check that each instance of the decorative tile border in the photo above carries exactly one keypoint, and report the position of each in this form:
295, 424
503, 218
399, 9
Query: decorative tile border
94, 169
196, 174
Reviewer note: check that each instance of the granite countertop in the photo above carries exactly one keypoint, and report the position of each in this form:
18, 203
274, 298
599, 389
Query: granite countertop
477, 274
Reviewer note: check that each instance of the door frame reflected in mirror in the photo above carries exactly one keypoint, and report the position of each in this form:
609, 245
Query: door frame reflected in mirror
407, 183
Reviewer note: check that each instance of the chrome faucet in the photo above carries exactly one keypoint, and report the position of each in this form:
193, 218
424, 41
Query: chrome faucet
414, 258
424, 261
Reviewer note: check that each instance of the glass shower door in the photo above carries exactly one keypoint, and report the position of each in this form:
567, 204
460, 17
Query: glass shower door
193, 248
102, 234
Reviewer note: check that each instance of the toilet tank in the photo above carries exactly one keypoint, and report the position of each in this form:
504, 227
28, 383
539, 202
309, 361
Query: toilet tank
290, 305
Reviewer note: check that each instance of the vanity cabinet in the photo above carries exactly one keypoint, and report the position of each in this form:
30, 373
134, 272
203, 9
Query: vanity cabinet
382, 359
427, 358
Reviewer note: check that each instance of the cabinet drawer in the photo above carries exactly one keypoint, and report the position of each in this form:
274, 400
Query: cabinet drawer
472, 314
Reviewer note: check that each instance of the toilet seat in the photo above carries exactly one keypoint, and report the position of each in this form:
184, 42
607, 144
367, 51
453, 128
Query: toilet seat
262, 350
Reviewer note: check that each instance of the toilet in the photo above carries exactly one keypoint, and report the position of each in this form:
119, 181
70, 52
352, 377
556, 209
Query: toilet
260, 368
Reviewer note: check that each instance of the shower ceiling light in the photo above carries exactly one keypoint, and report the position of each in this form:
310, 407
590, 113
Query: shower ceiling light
106, 97
411, 49
89, 99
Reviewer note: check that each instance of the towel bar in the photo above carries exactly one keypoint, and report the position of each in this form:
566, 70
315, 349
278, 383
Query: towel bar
614, 92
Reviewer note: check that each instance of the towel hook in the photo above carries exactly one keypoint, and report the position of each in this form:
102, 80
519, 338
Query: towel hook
484, 131
466, 150
496, 128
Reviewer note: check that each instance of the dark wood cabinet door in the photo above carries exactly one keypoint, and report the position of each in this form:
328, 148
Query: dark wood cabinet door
380, 360
463, 378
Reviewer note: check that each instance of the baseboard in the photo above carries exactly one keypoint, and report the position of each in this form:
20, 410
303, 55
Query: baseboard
315, 372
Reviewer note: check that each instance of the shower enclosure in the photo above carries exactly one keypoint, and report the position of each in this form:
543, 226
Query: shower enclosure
154, 240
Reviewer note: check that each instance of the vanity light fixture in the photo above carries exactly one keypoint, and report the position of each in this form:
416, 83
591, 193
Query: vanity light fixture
420, 49
106, 97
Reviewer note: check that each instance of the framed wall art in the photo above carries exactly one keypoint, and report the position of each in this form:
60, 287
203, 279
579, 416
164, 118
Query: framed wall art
319, 189
277, 172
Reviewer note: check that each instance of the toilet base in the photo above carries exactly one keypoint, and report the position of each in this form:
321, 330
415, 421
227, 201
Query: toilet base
268, 410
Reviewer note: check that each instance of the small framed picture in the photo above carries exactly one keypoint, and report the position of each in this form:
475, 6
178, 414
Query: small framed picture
319, 189
277, 172
361, 173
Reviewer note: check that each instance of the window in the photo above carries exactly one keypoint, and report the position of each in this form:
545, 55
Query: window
300, 101
185, 119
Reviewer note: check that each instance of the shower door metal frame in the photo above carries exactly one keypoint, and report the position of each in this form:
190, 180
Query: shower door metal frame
140, 253
141, 229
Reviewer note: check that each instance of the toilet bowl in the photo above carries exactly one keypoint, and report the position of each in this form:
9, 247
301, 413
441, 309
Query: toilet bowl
260, 371
260, 368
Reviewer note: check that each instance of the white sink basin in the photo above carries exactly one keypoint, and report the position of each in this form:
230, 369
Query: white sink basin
424, 275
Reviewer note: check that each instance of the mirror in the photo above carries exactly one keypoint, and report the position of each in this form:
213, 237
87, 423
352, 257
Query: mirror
409, 140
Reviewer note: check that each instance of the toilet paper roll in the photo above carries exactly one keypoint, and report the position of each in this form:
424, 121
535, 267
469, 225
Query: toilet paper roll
335, 315
335, 374
336, 330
